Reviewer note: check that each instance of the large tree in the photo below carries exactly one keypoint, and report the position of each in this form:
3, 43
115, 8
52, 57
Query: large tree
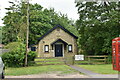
98, 24
41, 20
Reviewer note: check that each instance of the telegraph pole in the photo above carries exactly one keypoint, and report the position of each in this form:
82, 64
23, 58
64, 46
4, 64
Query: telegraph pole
27, 35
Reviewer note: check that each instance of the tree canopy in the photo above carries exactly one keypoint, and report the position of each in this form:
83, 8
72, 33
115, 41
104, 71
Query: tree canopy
98, 24
41, 20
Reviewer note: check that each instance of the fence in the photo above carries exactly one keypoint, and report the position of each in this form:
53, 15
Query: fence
99, 59
102, 59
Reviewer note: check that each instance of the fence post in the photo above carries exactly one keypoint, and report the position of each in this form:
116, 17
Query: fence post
73, 60
105, 59
88, 60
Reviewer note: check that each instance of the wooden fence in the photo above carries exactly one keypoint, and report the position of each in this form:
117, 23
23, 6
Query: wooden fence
99, 59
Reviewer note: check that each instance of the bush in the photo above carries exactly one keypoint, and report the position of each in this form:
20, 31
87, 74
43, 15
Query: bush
109, 59
16, 57
13, 45
31, 56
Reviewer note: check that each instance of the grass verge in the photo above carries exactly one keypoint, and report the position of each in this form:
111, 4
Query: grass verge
102, 69
63, 69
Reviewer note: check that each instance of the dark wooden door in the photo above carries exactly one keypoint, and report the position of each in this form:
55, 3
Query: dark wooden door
58, 50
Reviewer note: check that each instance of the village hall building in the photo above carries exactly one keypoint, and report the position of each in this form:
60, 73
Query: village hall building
57, 42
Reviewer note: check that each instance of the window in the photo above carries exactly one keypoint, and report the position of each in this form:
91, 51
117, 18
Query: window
46, 48
33, 48
69, 48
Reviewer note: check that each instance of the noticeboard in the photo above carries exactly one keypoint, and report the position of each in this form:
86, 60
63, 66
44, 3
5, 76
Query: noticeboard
79, 57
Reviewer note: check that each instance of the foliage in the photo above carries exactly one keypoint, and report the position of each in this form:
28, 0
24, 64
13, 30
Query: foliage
31, 56
109, 59
62, 69
16, 56
0, 34
102, 69
98, 24
12, 46
41, 20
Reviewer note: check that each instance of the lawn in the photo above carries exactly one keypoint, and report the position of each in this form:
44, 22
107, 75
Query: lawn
102, 69
50, 61
46, 59
63, 69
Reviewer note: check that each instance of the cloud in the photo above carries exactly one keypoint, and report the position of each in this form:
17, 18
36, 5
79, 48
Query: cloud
63, 6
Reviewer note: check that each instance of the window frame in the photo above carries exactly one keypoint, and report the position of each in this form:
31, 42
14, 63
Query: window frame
69, 48
46, 48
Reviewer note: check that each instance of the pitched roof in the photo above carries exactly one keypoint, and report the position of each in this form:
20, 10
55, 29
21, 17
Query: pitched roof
54, 29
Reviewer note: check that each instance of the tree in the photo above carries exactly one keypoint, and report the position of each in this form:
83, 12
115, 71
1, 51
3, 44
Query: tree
0, 34
15, 23
41, 20
98, 24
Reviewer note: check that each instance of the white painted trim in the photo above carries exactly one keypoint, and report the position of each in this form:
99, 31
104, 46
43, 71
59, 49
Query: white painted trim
63, 50
54, 50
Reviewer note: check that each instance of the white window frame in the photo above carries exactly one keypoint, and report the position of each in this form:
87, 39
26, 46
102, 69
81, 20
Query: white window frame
70, 48
46, 48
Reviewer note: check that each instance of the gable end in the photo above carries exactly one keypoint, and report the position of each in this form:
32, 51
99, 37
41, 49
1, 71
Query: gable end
54, 29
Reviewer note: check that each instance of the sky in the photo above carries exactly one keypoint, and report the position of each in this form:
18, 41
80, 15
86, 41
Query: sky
63, 6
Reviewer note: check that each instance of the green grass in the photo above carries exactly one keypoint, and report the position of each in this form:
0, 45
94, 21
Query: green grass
45, 59
63, 69
52, 61
102, 69
79, 62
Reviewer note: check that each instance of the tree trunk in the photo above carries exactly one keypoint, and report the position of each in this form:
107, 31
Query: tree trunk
27, 35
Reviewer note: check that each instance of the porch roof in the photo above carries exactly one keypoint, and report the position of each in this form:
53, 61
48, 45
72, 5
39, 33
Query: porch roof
59, 40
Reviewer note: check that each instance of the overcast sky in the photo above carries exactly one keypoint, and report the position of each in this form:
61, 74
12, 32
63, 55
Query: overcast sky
64, 6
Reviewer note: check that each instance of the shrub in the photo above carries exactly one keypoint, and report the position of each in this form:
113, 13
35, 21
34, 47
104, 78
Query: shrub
16, 57
13, 45
31, 56
109, 59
